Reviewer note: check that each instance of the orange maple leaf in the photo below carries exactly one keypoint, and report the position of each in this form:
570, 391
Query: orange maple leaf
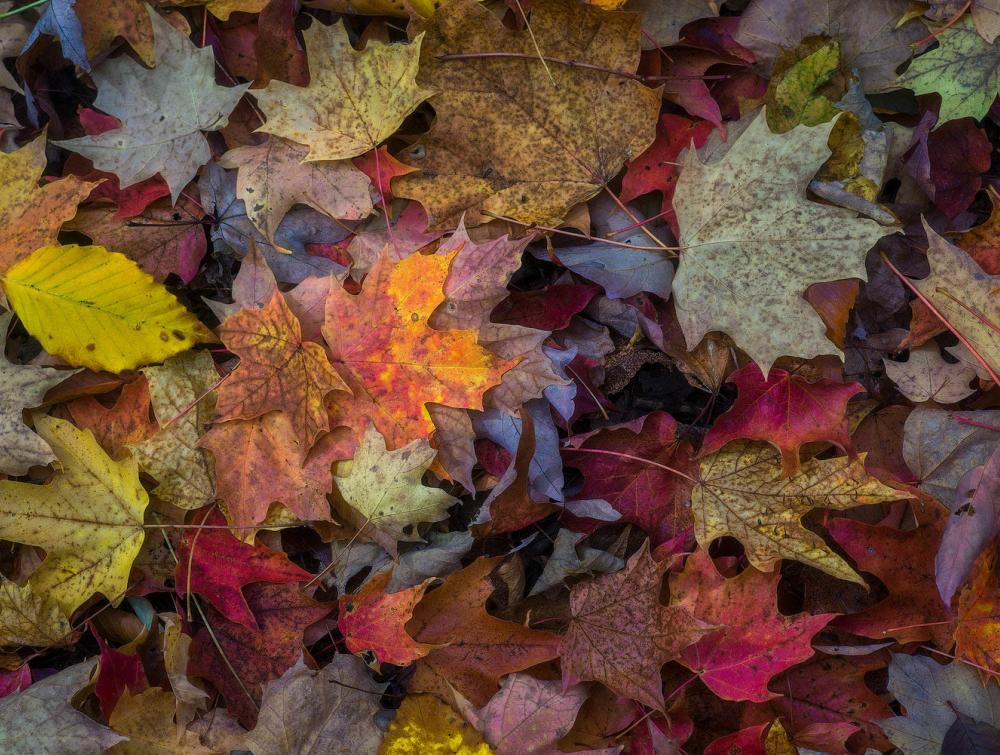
277, 370
394, 362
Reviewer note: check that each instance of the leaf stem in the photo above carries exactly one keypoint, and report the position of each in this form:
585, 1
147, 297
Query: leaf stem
630, 457
23, 8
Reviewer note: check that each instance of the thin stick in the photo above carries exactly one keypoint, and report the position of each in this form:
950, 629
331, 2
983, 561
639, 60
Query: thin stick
381, 196
525, 56
983, 425
951, 22
635, 221
23, 8
641, 460
571, 234
534, 43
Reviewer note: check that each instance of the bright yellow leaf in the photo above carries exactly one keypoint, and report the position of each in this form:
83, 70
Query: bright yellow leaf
98, 309
424, 724
354, 100
88, 518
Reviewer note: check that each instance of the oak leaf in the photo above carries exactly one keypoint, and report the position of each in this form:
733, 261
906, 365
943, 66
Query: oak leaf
254, 657
330, 710
272, 177
41, 719
213, 563
89, 518
262, 461
479, 648
31, 214
161, 131
753, 198
519, 131
354, 100
182, 401
277, 370
742, 491
786, 410
384, 489
373, 620
30, 618
97, 309
964, 69
382, 344
620, 634
755, 642
22, 386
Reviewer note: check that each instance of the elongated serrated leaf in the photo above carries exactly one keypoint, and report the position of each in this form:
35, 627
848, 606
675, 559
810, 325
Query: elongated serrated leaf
97, 309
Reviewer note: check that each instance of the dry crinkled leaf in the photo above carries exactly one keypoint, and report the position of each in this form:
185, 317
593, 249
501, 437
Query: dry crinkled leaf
330, 710
755, 198
163, 111
743, 492
621, 635
518, 137
873, 43
183, 405
272, 178
381, 343
147, 719
926, 376
22, 386
964, 70
354, 100
176, 647
277, 370
89, 518
964, 295
383, 489
40, 718
97, 309
29, 618
31, 214
424, 723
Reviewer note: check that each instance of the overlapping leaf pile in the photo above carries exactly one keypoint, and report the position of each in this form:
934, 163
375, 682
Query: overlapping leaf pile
395, 376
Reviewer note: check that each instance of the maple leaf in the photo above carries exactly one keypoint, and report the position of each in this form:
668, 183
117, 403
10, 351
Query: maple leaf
262, 461
147, 719
97, 309
478, 649
373, 620
354, 100
330, 710
181, 396
30, 618
963, 69
785, 410
742, 491
223, 9
272, 178
23, 386
381, 343
385, 489
161, 131
794, 94
88, 518
423, 722
31, 214
898, 558
519, 131
757, 641
277, 370
41, 719
254, 657
215, 564
963, 295
127, 421
529, 715
616, 466
102, 22
977, 625
621, 635
753, 198
117, 672
926, 376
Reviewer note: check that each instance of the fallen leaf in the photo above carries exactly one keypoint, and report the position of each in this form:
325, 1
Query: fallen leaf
29, 618
424, 722
926, 376
147, 720
977, 625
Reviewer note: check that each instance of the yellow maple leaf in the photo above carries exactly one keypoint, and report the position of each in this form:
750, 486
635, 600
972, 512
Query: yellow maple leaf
424, 724
380, 342
354, 99
29, 618
743, 492
31, 215
88, 518
384, 490
98, 309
